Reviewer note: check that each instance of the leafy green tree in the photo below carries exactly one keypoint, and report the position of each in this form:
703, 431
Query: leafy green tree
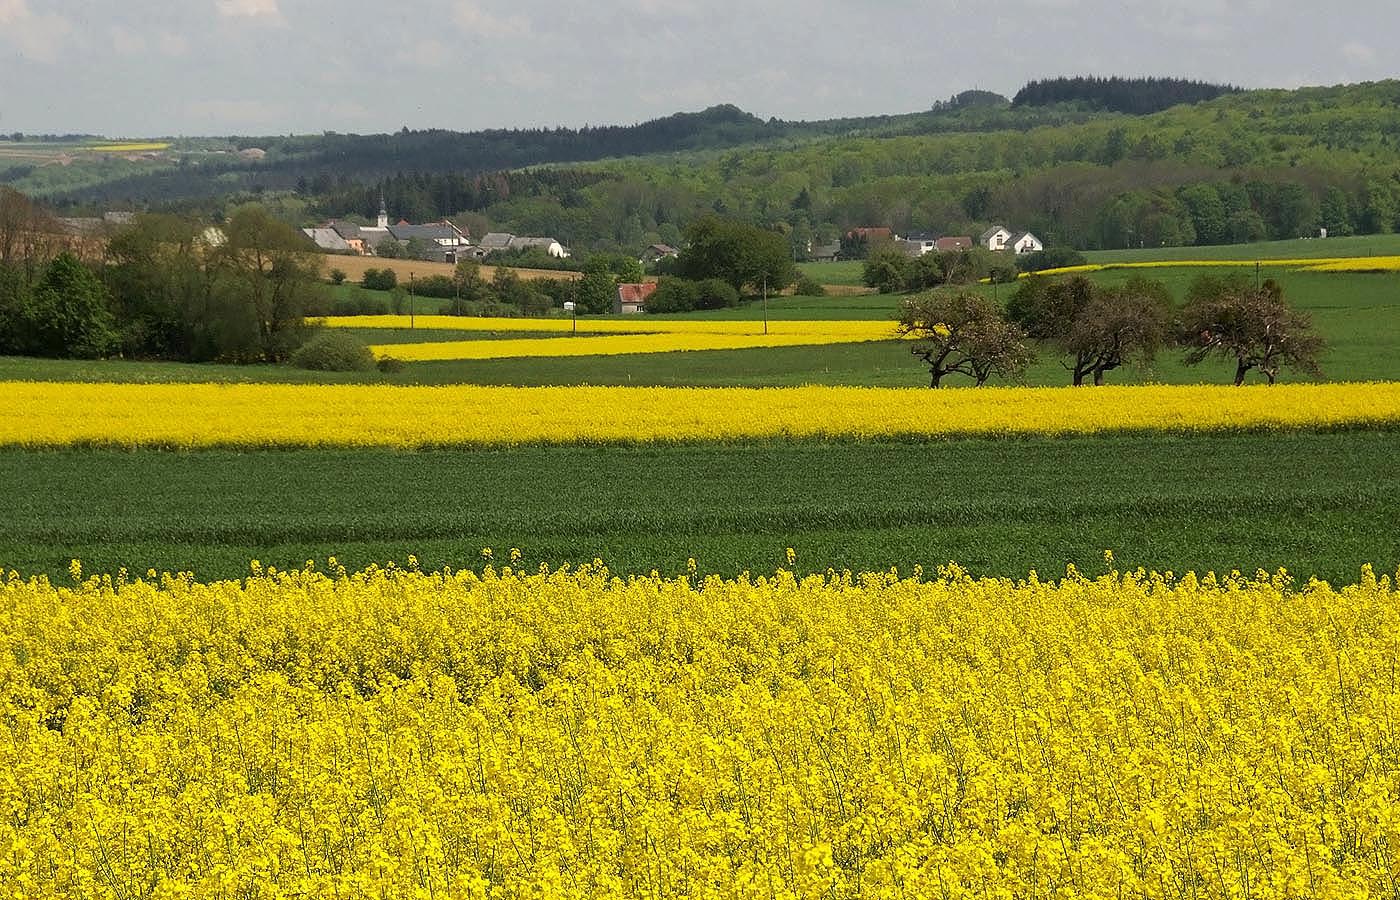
471, 288
597, 289
389, 248
1254, 328
379, 279
157, 272
745, 256
964, 333
270, 276
673, 295
1335, 212
67, 314
1380, 208
1099, 329
1208, 214
1118, 326
887, 269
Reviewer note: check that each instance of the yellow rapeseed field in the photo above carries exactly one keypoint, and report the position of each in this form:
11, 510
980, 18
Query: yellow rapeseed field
1324, 264
397, 734
614, 344
607, 337
50, 414
852, 329
130, 147
1359, 264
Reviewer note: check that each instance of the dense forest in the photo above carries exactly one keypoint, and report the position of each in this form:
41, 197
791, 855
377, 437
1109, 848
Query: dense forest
1241, 167
1136, 96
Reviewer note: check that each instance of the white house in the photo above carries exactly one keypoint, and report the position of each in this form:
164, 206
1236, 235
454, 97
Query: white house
1025, 242
548, 245
919, 243
500, 240
997, 237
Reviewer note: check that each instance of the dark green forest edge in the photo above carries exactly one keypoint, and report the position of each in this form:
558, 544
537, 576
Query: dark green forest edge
1085, 163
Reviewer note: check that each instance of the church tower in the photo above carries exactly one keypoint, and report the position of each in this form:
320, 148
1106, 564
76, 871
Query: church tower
383, 212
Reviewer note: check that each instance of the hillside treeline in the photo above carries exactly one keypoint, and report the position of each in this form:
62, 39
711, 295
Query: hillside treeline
1135, 96
1245, 166
292, 160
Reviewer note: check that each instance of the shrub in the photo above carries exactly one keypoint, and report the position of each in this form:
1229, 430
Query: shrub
337, 276
358, 302
715, 293
438, 286
380, 279
807, 286
673, 295
334, 350
1054, 258
389, 365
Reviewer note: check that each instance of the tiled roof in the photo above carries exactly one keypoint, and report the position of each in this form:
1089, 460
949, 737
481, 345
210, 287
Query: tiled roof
635, 293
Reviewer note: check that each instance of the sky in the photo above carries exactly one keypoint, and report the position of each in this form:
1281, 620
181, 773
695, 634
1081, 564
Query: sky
147, 68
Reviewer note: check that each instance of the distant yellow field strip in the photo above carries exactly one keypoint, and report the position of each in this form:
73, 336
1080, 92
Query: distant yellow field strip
130, 147
1324, 264
610, 345
853, 329
45, 414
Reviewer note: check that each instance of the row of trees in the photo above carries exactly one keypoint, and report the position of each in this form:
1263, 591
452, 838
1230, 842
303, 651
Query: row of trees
166, 287
1095, 329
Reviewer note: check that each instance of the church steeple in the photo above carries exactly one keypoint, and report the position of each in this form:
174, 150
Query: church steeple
383, 212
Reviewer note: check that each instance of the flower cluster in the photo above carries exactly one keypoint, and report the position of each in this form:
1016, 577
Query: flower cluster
398, 733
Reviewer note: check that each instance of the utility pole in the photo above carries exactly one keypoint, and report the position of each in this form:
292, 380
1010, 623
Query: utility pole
765, 303
410, 300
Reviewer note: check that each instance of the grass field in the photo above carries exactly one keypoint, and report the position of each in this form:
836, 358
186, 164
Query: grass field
1304, 248
1316, 503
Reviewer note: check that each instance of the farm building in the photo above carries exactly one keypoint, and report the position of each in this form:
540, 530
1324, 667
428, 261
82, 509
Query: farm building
917, 243
657, 252
632, 297
960, 242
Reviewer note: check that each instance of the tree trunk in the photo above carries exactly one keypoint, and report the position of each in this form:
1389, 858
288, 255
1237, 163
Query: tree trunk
1098, 378
935, 376
1240, 371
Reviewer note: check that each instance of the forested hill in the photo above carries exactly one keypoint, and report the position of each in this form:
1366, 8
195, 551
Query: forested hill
1245, 166
1136, 96
291, 161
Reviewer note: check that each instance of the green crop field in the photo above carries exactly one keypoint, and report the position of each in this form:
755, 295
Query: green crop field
1303, 248
1317, 503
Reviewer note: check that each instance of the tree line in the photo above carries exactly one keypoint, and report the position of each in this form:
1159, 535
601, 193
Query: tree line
1094, 329
162, 288
1237, 169
1136, 96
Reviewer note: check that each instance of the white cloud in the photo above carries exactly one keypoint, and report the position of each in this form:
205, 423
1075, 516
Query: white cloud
249, 9
40, 37
127, 41
474, 20
172, 44
1358, 52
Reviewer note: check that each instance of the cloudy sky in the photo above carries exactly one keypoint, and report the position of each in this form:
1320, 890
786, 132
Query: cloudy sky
156, 67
